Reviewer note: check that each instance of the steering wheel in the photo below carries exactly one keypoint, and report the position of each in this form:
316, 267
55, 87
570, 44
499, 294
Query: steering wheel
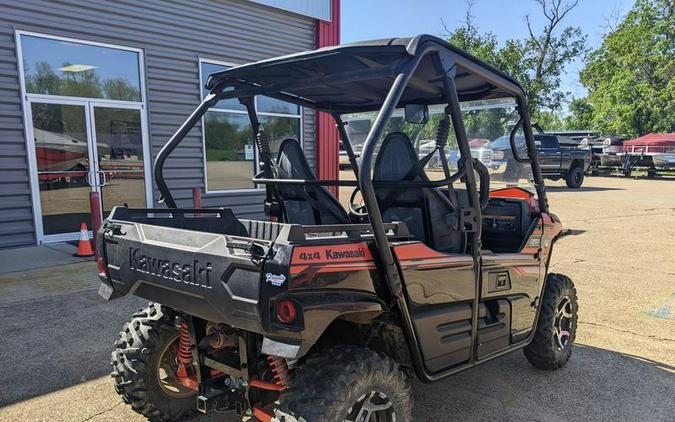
357, 210
484, 183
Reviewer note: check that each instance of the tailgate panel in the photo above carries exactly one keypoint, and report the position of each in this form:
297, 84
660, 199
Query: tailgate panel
208, 275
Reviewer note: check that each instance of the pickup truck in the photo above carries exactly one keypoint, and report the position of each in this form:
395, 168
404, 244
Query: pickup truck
557, 159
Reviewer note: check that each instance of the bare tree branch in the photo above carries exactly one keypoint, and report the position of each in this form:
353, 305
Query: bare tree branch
532, 36
468, 18
544, 9
568, 8
611, 21
445, 28
546, 45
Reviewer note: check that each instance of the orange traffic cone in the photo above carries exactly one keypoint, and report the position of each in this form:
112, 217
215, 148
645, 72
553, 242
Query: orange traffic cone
84, 245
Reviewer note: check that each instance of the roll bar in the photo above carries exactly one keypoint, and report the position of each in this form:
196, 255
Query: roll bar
404, 183
532, 154
347, 143
164, 192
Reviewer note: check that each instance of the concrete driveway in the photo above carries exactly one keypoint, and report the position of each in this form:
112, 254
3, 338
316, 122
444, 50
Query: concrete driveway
55, 348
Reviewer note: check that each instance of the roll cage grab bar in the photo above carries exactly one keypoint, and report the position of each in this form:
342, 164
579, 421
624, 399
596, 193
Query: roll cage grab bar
471, 216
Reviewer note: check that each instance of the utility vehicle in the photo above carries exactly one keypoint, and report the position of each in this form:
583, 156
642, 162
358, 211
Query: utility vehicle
320, 313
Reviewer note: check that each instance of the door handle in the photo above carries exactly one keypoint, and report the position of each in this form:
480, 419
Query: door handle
90, 181
104, 178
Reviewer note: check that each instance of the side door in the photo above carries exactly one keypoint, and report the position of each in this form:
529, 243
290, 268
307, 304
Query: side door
440, 288
511, 283
550, 158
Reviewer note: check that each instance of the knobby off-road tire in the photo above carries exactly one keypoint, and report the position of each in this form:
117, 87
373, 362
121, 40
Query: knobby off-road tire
135, 363
575, 177
550, 348
334, 385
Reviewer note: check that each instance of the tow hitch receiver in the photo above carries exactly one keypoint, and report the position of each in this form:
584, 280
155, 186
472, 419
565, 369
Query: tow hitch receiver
216, 400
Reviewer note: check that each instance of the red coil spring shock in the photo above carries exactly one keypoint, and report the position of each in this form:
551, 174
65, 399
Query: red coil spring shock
280, 370
184, 353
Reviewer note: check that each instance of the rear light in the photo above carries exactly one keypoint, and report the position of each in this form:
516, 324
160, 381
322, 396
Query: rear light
286, 311
101, 266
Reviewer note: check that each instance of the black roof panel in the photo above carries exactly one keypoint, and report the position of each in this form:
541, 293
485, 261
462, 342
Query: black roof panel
357, 77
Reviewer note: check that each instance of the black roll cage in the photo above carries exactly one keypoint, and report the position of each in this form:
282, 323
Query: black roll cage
448, 59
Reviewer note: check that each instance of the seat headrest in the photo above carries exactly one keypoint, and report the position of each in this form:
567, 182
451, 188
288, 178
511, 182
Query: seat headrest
291, 161
396, 157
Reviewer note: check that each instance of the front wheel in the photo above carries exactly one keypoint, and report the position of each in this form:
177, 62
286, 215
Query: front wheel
575, 178
556, 327
349, 384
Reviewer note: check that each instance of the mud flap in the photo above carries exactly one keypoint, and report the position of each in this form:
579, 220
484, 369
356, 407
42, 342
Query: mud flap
107, 292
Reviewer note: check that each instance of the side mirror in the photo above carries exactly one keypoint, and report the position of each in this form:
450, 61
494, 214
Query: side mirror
416, 113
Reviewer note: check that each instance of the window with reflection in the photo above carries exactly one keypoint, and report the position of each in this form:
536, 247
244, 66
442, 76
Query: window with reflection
66, 68
230, 153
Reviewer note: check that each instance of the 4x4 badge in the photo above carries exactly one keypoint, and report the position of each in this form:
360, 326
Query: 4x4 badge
275, 279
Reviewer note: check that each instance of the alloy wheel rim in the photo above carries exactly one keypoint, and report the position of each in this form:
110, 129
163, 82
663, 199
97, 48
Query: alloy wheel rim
374, 406
562, 323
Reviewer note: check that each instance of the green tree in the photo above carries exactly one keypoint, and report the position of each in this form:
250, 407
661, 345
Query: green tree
581, 115
120, 89
631, 76
537, 62
548, 52
549, 120
44, 80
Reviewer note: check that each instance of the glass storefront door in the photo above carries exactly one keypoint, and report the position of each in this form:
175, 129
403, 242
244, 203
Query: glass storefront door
119, 147
83, 147
64, 165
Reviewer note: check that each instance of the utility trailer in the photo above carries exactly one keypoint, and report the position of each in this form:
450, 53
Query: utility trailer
322, 314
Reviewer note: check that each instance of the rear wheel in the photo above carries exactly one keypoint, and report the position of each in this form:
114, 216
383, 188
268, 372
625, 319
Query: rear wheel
575, 177
145, 366
556, 327
350, 384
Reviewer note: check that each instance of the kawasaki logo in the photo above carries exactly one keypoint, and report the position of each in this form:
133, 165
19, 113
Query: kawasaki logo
359, 253
194, 274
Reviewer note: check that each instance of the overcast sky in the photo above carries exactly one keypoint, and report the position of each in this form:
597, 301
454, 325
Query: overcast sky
373, 19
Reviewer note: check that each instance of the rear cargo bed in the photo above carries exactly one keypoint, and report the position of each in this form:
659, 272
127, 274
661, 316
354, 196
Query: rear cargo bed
204, 262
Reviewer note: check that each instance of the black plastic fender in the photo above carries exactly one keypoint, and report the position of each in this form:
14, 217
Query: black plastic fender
317, 310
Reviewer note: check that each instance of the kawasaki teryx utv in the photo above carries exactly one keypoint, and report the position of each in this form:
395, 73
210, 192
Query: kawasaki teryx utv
320, 313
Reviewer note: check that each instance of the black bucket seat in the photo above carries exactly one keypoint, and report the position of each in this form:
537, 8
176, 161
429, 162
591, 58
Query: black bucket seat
427, 212
305, 204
